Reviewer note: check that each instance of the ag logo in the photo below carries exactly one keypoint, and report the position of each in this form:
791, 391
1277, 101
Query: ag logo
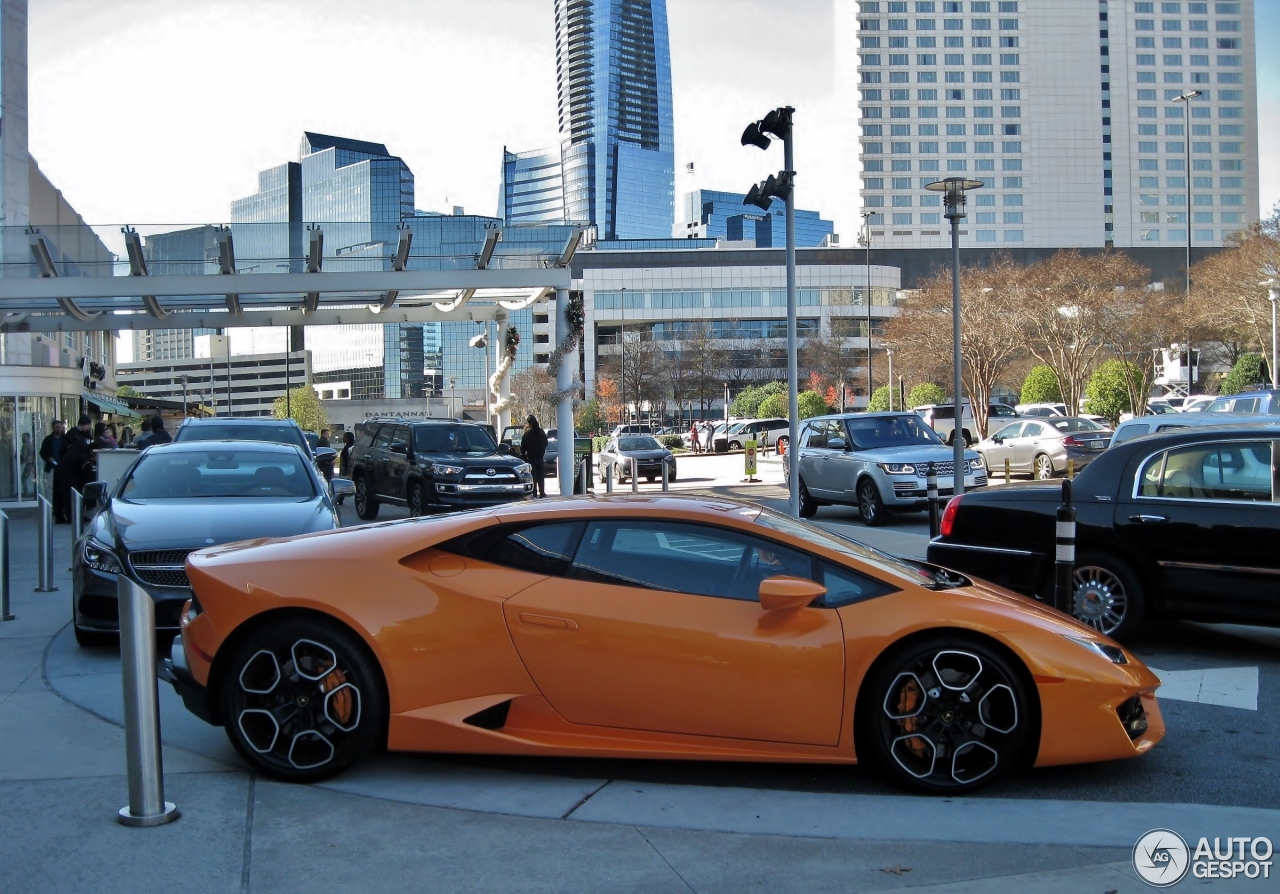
1161, 858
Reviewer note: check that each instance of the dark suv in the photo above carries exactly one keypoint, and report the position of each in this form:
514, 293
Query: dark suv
433, 464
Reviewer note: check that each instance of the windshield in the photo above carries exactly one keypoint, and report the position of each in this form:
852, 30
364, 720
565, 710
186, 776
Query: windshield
1072, 423
628, 444
452, 439
890, 431
230, 431
218, 472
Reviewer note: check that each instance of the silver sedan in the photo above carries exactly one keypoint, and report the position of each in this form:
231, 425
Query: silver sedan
1041, 447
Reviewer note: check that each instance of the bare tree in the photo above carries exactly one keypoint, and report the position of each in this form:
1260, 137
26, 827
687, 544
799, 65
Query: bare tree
531, 392
1228, 292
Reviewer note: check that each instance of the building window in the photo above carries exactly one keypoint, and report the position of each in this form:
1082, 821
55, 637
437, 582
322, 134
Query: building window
1149, 235
986, 235
1013, 235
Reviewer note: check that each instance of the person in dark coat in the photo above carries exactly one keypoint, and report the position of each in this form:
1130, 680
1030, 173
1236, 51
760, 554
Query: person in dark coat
157, 435
51, 452
533, 447
74, 469
344, 457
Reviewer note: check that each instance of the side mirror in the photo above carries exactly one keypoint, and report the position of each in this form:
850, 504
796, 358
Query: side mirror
837, 444
402, 449
326, 454
95, 493
782, 593
996, 439
342, 487
504, 449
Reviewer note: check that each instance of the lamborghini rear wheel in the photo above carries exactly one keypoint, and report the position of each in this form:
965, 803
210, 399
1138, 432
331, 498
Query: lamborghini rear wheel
302, 699
945, 715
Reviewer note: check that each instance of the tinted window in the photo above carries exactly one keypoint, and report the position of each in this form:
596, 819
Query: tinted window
400, 438
218, 473
890, 431
1237, 471
364, 436
452, 439
683, 558
229, 431
814, 435
1009, 431
1033, 430
542, 549
1245, 405
1130, 431
1001, 410
384, 437
944, 412
845, 586
628, 444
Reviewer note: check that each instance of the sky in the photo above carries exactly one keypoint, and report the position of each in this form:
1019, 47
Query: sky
163, 111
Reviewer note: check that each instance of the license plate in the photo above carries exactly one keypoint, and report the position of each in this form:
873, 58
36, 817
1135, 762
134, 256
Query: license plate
1096, 445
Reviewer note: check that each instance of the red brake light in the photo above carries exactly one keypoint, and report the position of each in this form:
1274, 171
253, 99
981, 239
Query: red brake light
1071, 441
949, 516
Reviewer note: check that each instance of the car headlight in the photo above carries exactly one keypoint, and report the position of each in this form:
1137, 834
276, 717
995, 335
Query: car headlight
1114, 654
445, 469
976, 464
100, 558
897, 468
524, 470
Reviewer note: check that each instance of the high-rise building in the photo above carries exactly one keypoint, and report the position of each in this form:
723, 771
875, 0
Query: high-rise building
713, 214
1067, 114
613, 76
191, 251
532, 187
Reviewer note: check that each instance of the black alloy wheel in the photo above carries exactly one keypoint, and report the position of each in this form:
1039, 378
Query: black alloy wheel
870, 505
1043, 467
1107, 594
808, 505
366, 505
417, 502
945, 715
302, 699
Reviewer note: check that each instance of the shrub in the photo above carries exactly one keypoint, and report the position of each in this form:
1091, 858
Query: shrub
811, 403
671, 442
879, 399
1107, 393
746, 404
1041, 387
775, 405
926, 393
598, 442
1246, 373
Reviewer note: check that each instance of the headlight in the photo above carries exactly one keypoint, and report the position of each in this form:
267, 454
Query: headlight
524, 470
975, 464
99, 558
1114, 654
897, 468
445, 469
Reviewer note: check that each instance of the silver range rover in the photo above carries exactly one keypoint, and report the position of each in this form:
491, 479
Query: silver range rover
876, 461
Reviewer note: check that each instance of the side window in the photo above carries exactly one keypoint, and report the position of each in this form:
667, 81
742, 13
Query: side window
1009, 431
1130, 431
540, 549
1245, 405
814, 435
835, 429
384, 437
1238, 471
364, 436
399, 439
1033, 430
683, 558
845, 587
1002, 410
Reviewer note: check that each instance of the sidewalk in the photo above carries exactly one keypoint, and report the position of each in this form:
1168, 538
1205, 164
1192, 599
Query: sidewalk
62, 781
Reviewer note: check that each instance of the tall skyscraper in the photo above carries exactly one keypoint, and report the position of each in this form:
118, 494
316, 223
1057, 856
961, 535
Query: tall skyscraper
1066, 113
532, 187
613, 76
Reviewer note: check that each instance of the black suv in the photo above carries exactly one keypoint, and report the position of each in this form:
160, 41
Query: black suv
433, 464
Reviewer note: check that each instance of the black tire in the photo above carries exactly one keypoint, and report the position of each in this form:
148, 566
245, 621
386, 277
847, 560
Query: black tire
1107, 594
649, 478
94, 639
417, 500
298, 670
939, 721
871, 505
366, 506
1042, 467
808, 505
671, 476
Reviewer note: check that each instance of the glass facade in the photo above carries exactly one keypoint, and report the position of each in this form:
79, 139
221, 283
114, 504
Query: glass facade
532, 187
614, 89
723, 215
190, 251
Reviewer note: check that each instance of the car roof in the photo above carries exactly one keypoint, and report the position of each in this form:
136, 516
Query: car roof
1197, 420
1256, 392
228, 443
883, 415
238, 420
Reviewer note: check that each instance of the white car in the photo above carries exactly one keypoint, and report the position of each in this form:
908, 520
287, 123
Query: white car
1049, 409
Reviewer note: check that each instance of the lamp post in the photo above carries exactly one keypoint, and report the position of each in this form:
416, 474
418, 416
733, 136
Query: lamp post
184, 397
778, 124
1274, 286
453, 397
953, 190
624, 415
1185, 99
481, 341
888, 352
865, 241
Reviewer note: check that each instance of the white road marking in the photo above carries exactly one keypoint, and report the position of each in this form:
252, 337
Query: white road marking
1231, 687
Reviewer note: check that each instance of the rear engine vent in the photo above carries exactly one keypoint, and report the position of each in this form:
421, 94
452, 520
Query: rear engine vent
494, 717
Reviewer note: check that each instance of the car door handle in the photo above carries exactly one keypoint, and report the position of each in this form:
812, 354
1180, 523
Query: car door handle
1148, 519
548, 622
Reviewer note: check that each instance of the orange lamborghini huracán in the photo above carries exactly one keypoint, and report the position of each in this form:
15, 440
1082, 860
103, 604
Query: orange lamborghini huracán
664, 627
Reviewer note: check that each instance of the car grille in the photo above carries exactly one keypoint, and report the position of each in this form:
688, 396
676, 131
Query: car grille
161, 568
502, 476
939, 469
1133, 717
904, 487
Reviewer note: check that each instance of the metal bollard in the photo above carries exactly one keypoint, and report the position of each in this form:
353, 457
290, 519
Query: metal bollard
147, 806
608, 477
77, 524
635, 478
5, 614
584, 475
1071, 468
44, 548
665, 488
1007, 471
1065, 552
931, 485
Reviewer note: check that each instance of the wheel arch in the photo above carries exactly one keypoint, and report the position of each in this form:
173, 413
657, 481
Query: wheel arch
250, 625
893, 649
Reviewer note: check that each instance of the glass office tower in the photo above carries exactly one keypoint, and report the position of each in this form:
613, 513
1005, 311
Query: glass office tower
714, 214
613, 73
532, 188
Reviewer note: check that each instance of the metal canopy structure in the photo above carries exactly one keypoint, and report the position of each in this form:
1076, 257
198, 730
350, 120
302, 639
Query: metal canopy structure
485, 285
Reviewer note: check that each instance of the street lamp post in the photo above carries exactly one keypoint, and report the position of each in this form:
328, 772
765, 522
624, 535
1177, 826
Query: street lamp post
481, 341
184, 397
888, 352
624, 415
778, 124
1274, 286
953, 190
453, 396
1185, 99
865, 241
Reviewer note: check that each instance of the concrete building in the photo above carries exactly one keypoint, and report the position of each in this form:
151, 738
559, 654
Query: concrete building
1066, 113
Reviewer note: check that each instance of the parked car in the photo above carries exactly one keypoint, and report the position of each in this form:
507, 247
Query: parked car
762, 431
633, 428
694, 628
1041, 447
1145, 425
1263, 402
1177, 525
942, 419
876, 461
181, 496
1046, 409
648, 453
433, 464
251, 428
1195, 404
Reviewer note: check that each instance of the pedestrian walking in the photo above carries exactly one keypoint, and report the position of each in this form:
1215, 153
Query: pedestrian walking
695, 437
533, 447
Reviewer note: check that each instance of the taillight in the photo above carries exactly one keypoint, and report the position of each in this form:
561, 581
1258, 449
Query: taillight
949, 516
1071, 441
